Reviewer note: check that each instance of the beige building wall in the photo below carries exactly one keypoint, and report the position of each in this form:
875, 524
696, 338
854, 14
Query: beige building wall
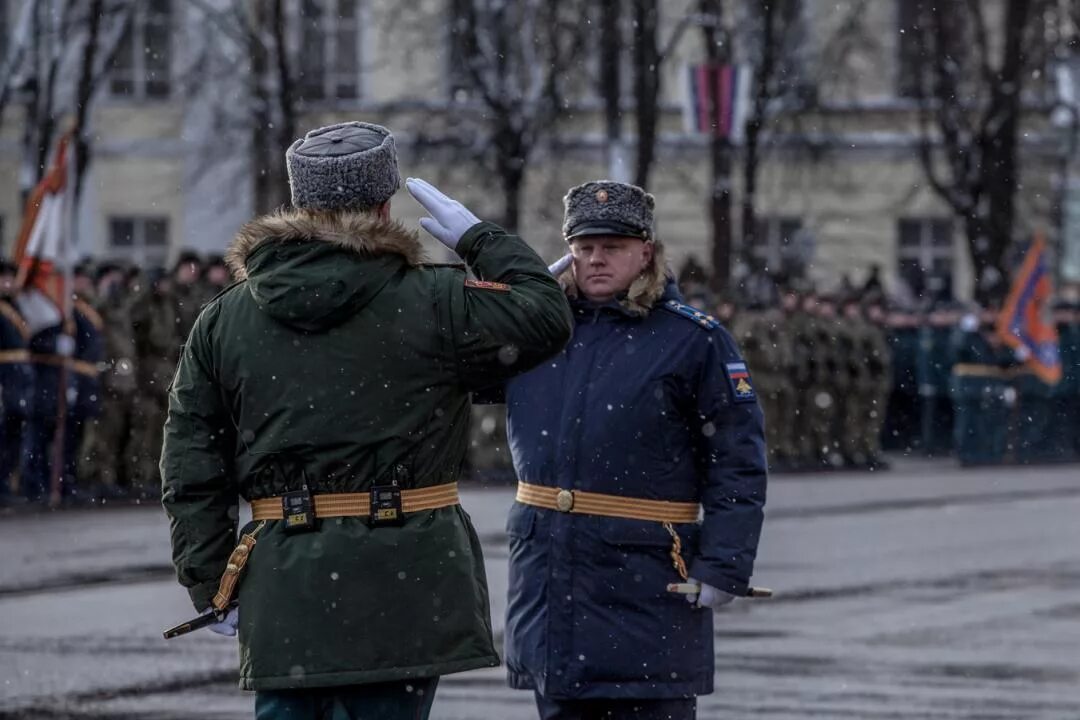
848, 171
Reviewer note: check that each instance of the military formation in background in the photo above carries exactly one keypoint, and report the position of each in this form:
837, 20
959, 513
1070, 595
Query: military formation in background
844, 378
128, 328
841, 380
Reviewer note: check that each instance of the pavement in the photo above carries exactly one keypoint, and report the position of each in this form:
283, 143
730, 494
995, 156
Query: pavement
922, 592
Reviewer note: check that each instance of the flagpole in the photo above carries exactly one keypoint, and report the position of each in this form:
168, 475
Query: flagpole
65, 341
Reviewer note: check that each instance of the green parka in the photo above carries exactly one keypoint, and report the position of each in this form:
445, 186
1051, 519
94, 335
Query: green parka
342, 360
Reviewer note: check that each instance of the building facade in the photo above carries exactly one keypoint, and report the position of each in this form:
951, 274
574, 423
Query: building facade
841, 190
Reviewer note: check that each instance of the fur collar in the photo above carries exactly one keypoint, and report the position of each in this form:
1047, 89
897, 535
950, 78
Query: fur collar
363, 233
644, 292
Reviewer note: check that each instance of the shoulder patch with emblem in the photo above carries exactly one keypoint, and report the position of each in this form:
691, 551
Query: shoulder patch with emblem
487, 285
691, 313
742, 388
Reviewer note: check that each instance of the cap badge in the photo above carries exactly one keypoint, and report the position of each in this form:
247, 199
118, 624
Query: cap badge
601, 196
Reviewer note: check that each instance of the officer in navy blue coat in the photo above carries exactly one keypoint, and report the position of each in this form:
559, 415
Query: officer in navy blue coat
16, 381
83, 331
648, 418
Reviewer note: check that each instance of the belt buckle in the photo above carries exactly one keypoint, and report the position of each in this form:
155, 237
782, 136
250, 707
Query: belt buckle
564, 500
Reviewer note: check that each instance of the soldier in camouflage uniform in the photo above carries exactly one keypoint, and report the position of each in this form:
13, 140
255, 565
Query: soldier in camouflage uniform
831, 382
752, 333
850, 382
784, 425
866, 360
805, 341
156, 324
187, 293
215, 278
110, 449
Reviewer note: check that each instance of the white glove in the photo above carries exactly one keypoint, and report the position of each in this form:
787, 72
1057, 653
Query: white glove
710, 597
227, 626
449, 219
558, 267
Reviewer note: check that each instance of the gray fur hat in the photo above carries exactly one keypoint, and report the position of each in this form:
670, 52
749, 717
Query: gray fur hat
605, 207
350, 166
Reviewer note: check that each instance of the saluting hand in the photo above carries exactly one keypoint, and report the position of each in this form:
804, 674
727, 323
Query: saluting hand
449, 220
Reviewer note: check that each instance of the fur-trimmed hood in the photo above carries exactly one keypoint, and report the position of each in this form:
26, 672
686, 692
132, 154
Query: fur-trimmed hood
314, 270
363, 233
644, 292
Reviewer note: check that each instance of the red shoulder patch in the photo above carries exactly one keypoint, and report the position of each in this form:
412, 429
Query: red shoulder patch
486, 285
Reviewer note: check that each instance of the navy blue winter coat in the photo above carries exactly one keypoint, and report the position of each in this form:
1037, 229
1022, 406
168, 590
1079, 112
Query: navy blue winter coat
84, 388
16, 373
641, 407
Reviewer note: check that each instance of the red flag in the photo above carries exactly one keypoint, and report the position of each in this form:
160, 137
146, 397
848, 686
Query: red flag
42, 252
1023, 323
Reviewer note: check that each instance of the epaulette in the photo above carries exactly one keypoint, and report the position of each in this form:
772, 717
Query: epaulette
703, 320
15, 319
91, 315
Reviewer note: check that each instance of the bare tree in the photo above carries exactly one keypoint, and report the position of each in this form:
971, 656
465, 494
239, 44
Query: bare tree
72, 38
774, 47
518, 59
718, 51
970, 88
647, 65
274, 108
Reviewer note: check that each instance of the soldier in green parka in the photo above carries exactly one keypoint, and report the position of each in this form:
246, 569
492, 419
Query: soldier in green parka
341, 363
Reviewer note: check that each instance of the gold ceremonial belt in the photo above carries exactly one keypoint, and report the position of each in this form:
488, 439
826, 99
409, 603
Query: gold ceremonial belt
589, 503
359, 504
987, 371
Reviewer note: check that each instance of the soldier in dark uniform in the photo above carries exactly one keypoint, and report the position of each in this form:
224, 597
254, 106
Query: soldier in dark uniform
16, 381
75, 344
980, 389
85, 406
877, 357
902, 410
1066, 394
648, 417
933, 371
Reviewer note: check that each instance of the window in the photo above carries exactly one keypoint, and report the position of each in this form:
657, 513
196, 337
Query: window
141, 68
143, 241
329, 59
925, 251
780, 246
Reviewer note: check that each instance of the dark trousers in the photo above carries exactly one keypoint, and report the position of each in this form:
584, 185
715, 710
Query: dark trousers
610, 709
37, 457
11, 435
408, 700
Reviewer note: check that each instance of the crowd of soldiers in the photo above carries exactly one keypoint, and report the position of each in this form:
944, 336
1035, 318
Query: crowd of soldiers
844, 377
822, 368
128, 327
840, 379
